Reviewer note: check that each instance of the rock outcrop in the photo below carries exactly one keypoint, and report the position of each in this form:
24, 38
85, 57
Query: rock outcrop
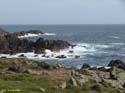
98, 81
114, 77
117, 63
53, 45
3, 32
11, 44
22, 33
23, 65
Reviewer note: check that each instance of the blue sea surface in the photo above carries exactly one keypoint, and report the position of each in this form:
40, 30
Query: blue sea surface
102, 43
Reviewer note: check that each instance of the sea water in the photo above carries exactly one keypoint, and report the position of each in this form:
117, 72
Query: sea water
96, 44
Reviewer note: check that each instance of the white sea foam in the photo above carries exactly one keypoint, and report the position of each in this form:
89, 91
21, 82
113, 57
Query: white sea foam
107, 67
78, 51
115, 44
98, 67
114, 37
75, 52
29, 35
49, 34
102, 46
35, 35
94, 47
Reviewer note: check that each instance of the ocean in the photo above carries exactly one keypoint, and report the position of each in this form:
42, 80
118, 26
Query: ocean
96, 44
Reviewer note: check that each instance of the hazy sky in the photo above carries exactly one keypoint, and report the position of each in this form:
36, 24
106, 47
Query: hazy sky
62, 12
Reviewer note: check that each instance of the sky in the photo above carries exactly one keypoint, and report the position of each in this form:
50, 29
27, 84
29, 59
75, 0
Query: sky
62, 12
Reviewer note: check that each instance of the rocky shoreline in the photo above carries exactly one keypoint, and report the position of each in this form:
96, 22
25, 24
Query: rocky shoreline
85, 80
48, 77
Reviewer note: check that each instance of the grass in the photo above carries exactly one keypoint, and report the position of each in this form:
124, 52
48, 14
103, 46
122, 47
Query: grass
27, 83
48, 80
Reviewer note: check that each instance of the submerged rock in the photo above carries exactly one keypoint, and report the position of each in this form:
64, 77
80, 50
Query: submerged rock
61, 56
22, 55
77, 57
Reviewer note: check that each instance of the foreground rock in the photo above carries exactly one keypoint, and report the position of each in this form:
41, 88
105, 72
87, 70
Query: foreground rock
114, 77
23, 65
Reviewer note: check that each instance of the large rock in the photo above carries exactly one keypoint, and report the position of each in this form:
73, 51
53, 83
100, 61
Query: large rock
53, 45
117, 63
49, 65
10, 44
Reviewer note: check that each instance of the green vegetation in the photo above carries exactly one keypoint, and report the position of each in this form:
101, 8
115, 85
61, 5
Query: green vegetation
28, 76
27, 83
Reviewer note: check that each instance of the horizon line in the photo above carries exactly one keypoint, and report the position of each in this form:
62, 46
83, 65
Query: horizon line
63, 24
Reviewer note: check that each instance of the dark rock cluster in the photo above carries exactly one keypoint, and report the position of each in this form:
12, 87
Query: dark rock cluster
11, 44
117, 63
22, 33
54, 45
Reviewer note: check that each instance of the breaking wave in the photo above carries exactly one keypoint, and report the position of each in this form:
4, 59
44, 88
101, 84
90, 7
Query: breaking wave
35, 35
